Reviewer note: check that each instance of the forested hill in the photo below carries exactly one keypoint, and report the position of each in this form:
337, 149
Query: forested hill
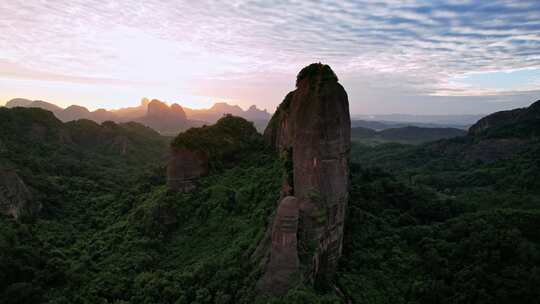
523, 122
452, 221
45, 153
405, 135
35, 142
497, 138
110, 232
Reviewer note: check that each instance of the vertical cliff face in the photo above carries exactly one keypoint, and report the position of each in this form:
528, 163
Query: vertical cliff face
311, 129
283, 265
165, 119
15, 198
185, 167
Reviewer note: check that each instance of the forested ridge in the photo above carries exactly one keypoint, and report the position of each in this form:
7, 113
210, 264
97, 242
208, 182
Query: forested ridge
451, 221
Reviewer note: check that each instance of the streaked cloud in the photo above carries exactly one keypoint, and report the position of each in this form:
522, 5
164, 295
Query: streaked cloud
249, 51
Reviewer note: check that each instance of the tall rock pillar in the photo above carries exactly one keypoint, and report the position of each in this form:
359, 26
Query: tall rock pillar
312, 128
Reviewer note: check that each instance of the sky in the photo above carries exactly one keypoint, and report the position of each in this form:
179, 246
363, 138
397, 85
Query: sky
410, 56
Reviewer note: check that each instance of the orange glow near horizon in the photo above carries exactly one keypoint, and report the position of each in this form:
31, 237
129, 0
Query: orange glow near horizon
103, 54
101, 96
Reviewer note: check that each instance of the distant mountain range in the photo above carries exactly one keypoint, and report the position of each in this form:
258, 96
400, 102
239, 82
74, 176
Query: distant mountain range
406, 135
155, 114
504, 135
453, 121
387, 124
372, 129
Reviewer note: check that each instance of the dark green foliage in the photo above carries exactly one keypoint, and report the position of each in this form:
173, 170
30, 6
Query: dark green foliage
316, 69
520, 129
405, 135
361, 132
449, 167
453, 221
425, 224
417, 134
406, 245
111, 232
225, 141
516, 123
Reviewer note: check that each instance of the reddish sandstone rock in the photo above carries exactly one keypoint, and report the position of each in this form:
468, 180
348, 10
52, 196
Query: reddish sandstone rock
163, 118
321, 146
283, 264
311, 128
277, 133
185, 167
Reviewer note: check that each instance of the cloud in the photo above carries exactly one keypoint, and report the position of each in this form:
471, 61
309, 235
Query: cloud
407, 48
14, 71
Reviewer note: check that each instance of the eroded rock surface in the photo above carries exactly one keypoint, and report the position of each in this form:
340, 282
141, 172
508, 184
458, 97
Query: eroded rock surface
185, 167
283, 266
15, 198
311, 129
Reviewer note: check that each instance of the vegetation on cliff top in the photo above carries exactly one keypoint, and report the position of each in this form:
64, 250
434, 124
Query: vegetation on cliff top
228, 139
316, 69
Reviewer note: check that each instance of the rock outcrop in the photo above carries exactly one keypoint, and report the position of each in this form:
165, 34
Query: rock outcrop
15, 198
218, 145
165, 119
209, 116
311, 130
283, 263
185, 167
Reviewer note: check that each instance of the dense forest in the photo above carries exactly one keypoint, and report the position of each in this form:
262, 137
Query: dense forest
451, 221
405, 135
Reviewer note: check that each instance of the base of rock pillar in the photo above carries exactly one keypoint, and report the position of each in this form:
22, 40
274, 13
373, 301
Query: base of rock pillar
282, 271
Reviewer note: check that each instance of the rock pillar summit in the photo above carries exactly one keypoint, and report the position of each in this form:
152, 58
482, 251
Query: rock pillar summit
311, 131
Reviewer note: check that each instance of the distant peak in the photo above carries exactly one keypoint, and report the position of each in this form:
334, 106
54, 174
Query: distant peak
223, 106
76, 107
144, 101
254, 109
176, 108
155, 101
18, 102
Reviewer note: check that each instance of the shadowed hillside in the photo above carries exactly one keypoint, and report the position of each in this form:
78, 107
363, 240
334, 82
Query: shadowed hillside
405, 135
